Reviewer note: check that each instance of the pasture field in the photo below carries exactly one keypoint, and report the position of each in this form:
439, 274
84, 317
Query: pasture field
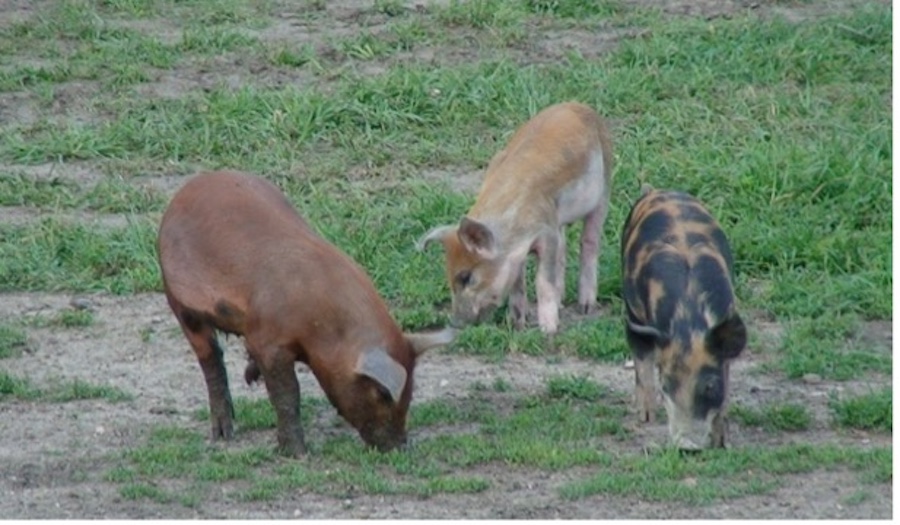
377, 118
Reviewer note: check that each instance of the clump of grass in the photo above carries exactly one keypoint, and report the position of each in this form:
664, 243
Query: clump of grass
872, 411
72, 318
717, 475
575, 388
821, 346
12, 341
789, 417
60, 392
79, 389
54, 255
571, 8
16, 387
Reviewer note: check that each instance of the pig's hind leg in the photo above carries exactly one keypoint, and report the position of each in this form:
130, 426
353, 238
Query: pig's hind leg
202, 337
590, 253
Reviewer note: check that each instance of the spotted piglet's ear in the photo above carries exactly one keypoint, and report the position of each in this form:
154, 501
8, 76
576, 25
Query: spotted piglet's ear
728, 339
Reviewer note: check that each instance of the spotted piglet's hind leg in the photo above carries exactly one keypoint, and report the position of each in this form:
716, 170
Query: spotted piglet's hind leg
645, 388
202, 338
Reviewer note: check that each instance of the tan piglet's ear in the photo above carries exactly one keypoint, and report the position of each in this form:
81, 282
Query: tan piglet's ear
423, 341
477, 238
436, 234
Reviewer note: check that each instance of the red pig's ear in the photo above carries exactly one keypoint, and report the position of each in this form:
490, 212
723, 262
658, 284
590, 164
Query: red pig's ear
376, 364
478, 238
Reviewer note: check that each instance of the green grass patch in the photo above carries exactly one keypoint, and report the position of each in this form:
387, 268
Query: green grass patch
829, 346
719, 475
566, 426
872, 411
799, 134
77, 389
54, 255
23, 388
12, 341
16, 387
73, 318
787, 417
257, 414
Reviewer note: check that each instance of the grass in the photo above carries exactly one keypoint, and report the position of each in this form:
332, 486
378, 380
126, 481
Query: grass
786, 417
829, 346
22, 388
12, 341
715, 475
873, 411
556, 430
779, 127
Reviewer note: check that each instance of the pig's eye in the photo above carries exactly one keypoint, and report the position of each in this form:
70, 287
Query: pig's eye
464, 278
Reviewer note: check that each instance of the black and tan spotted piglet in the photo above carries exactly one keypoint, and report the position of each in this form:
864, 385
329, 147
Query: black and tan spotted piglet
680, 314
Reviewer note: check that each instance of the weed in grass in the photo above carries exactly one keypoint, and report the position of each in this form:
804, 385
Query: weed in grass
295, 57
872, 411
501, 385
479, 13
73, 318
139, 491
214, 40
12, 341
19, 190
258, 414
572, 8
60, 392
820, 346
495, 341
52, 255
77, 389
719, 475
16, 387
579, 388
790, 417
390, 7
116, 195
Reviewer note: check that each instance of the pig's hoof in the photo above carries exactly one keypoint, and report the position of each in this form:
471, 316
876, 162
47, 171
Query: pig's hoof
292, 451
586, 308
646, 416
222, 430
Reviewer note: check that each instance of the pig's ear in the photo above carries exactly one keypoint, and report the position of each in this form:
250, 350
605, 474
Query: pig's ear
424, 341
728, 339
376, 364
436, 234
477, 238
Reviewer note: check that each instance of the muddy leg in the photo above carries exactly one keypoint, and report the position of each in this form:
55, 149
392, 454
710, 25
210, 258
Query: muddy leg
284, 393
590, 252
518, 301
645, 388
203, 340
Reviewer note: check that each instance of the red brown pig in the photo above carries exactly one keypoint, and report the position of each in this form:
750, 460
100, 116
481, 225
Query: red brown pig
237, 258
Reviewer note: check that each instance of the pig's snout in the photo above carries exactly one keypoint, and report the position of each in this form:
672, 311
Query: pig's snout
385, 441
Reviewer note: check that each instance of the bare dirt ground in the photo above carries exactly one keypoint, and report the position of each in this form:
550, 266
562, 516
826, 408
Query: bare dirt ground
54, 456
